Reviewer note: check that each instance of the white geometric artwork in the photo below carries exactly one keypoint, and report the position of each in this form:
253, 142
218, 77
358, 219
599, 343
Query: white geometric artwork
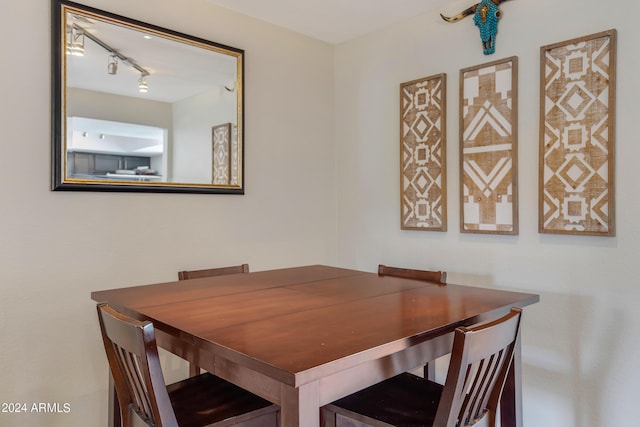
577, 136
222, 154
422, 154
488, 148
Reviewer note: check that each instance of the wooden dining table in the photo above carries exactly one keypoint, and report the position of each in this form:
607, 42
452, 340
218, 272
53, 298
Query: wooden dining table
303, 337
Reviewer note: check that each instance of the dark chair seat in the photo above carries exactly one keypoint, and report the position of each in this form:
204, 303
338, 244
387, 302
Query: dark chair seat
200, 401
480, 360
206, 399
394, 402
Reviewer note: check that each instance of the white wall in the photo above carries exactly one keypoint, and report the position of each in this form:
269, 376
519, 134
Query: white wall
581, 341
193, 119
118, 108
56, 247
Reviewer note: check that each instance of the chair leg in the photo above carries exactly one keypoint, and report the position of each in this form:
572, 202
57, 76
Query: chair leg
114, 419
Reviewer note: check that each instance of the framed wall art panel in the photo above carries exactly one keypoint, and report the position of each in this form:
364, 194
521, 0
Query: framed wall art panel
577, 114
489, 148
222, 154
423, 187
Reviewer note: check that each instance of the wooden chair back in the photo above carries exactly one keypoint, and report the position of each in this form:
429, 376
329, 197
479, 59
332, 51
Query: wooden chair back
194, 369
439, 277
220, 271
480, 360
135, 367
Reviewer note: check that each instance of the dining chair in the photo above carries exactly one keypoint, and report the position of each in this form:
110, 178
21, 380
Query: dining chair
219, 271
439, 277
480, 360
203, 400
194, 369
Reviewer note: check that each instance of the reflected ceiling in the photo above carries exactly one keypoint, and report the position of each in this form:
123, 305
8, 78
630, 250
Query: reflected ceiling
191, 73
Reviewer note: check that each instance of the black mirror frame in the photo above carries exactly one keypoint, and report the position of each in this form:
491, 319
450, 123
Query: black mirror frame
58, 116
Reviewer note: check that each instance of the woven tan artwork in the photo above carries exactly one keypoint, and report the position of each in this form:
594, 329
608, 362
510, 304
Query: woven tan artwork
422, 154
235, 155
488, 148
577, 136
222, 154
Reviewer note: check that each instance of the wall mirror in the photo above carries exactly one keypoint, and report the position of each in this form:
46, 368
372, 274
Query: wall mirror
137, 107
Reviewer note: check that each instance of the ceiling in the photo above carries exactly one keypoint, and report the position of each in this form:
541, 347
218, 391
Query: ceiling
333, 21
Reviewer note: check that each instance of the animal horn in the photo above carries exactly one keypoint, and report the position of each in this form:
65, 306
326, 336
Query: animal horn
469, 11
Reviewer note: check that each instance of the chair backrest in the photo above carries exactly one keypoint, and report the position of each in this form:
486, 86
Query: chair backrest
480, 360
220, 271
194, 369
135, 367
439, 277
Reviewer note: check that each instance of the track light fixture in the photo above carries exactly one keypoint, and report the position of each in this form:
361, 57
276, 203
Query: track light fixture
75, 41
112, 64
75, 46
142, 83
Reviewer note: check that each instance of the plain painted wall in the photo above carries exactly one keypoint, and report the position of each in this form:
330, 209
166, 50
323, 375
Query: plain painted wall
310, 201
581, 342
193, 119
56, 247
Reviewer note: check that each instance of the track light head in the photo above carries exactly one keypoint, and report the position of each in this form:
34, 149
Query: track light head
112, 65
142, 84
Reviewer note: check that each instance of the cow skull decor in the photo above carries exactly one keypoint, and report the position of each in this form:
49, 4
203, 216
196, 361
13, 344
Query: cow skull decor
486, 16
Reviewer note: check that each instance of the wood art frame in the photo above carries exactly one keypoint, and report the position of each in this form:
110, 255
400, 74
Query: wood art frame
423, 184
221, 154
577, 132
489, 148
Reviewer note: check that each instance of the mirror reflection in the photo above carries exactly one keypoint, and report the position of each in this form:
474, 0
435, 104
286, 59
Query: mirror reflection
143, 108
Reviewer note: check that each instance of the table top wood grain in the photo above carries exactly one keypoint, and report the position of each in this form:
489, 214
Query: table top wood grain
300, 324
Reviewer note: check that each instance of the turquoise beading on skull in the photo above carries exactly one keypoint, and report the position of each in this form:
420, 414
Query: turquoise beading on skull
486, 16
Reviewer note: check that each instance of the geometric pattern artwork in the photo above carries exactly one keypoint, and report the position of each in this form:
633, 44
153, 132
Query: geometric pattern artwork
222, 154
235, 160
423, 154
489, 148
576, 176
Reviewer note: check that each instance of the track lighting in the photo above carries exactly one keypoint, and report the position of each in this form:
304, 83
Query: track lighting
75, 46
76, 43
112, 65
142, 84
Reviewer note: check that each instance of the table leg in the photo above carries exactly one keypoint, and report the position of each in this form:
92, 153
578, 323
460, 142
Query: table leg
511, 402
113, 406
430, 371
300, 406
